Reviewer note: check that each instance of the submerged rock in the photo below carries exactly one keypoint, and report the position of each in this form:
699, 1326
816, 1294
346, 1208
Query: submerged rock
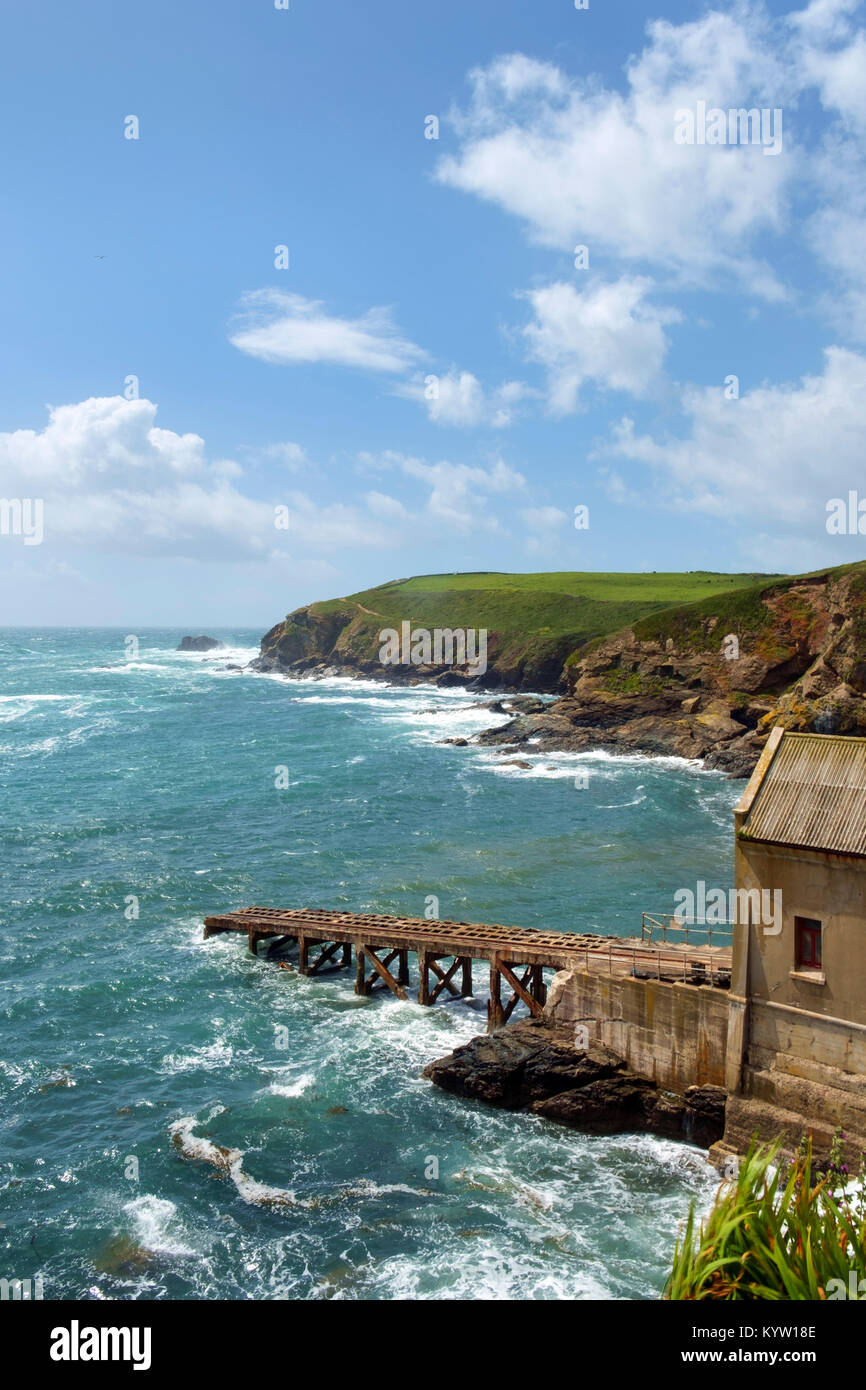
534, 1064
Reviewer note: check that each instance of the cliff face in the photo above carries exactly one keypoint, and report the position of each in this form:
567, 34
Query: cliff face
710, 680
343, 639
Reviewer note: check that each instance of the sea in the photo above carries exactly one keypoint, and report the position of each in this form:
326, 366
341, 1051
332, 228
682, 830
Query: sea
180, 1120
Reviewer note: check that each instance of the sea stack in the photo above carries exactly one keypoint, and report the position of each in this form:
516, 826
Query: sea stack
200, 644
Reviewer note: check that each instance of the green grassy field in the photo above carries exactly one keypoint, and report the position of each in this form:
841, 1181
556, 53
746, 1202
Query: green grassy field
536, 621
622, 588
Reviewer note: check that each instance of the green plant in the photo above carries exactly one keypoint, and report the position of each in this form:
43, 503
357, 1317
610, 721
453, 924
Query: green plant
774, 1234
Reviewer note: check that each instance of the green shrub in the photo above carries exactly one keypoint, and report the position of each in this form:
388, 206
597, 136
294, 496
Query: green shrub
775, 1233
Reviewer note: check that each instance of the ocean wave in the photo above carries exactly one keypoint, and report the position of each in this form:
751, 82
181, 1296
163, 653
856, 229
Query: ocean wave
14, 707
371, 702
124, 667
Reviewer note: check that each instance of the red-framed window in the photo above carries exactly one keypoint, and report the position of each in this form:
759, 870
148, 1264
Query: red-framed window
808, 943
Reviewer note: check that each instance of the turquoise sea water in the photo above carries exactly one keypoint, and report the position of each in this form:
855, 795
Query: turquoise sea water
130, 1049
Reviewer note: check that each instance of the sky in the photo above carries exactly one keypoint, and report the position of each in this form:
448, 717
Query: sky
295, 302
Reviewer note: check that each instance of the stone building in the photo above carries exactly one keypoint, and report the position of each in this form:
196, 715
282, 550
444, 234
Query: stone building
796, 1046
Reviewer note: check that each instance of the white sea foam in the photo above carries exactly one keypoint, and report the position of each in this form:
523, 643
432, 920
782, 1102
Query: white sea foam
154, 1221
368, 701
292, 1089
14, 707
6, 698
210, 1058
231, 1162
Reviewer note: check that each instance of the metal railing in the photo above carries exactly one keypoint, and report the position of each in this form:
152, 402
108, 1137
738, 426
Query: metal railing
686, 928
654, 963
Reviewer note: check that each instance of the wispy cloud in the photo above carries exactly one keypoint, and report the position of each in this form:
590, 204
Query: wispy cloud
779, 453
289, 329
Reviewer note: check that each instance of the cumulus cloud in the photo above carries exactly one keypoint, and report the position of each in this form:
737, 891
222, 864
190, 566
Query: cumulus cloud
289, 329
110, 477
458, 398
580, 162
111, 480
779, 452
608, 334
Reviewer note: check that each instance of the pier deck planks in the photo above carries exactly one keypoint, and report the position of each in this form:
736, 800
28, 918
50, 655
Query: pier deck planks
372, 934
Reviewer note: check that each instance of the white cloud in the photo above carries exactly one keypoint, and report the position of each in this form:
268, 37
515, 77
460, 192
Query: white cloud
608, 334
543, 525
112, 481
386, 507
341, 526
458, 398
292, 457
823, 19
581, 163
289, 329
544, 518
774, 457
459, 493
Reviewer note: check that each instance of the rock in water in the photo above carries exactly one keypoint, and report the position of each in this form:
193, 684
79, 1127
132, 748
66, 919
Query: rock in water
533, 1064
200, 644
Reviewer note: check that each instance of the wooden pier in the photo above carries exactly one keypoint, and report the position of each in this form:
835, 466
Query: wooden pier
445, 951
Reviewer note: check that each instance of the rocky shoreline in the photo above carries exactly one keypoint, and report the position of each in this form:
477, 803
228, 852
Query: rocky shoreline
707, 681
681, 685
534, 1065
695, 728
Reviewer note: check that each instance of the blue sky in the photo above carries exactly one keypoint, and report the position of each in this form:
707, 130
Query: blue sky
420, 266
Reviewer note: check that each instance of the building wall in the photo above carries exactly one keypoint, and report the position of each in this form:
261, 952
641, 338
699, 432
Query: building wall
673, 1033
797, 1045
831, 888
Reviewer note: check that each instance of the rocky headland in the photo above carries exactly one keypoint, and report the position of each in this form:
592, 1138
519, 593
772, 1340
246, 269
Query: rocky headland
704, 680
710, 681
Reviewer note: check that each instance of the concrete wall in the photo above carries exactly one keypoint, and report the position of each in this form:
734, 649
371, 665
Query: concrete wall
797, 1042
673, 1033
828, 887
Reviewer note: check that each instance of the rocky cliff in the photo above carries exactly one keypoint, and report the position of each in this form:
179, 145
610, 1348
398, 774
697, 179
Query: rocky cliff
709, 680
705, 679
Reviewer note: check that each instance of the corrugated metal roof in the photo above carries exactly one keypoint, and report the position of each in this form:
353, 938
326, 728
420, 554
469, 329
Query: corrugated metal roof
813, 795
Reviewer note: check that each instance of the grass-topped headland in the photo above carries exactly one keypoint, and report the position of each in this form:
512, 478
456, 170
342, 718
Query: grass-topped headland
535, 622
698, 664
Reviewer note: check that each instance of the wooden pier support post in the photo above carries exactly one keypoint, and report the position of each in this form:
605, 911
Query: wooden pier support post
466, 979
495, 1017
347, 953
303, 955
424, 976
380, 968
360, 969
253, 939
403, 968
537, 987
